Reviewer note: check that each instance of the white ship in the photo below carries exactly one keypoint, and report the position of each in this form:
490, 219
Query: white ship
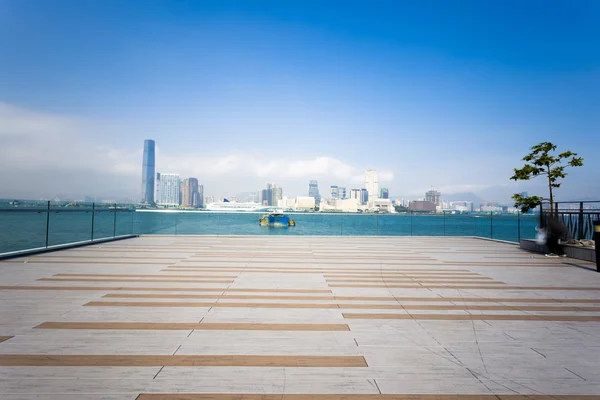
233, 206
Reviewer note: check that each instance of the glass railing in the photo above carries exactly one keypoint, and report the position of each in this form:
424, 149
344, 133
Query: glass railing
27, 225
32, 225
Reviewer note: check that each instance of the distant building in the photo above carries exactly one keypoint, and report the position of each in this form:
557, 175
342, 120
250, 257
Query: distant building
190, 195
167, 192
355, 194
523, 194
364, 196
343, 195
148, 171
421, 205
334, 193
372, 183
433, 196
271, 195
277, 194
313, 191
200, 200
384, 193
305, 203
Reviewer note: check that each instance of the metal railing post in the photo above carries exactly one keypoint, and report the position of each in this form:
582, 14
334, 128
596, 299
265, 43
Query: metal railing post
377, 222
93, 216
47, 223
491, 224
518, 226
580, 223
444, 212
410, 213
115, 221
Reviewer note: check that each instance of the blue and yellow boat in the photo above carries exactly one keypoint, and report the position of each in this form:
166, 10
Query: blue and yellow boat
276, 219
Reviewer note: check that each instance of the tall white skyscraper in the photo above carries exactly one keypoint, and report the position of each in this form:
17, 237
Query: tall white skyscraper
167, 189
372, 183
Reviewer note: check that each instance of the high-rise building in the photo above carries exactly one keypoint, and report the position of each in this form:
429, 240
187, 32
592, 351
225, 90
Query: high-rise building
148, 171
167, 189
523, 194
313, 191
190, 196
199, 200
433, 196
355, 194
343, 195
334, 192
372, 183
384, 193
271, 195
277, 195
364, 196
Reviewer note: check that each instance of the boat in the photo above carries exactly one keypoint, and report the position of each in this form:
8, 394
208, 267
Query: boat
276, 219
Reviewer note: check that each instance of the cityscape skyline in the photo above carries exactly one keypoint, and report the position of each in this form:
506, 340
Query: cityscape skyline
246, 93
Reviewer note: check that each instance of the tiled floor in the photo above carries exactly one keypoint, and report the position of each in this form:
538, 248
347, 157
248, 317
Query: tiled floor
298, 318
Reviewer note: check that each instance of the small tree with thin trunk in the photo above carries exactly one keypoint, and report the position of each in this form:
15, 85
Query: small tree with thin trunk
541, 162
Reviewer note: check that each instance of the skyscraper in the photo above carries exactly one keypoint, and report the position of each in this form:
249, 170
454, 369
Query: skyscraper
343, 195
433, 196
334, 192
384, 193
167, 189
148, 171
277, 194
189, 193
355, 194
200, 200
313, 191
364, 196
372, 183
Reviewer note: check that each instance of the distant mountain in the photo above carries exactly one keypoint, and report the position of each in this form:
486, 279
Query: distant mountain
466, 196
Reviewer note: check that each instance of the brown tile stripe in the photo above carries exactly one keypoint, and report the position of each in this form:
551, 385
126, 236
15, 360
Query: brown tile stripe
337, 305
90, 360
162, 289
192, 326
132, 257
411, 276
5, 338
149, 276
244, 396
429, 286
425, 271
317, 260
415, 281
135, 280
478, 317
94, 262
348, 298
314, 271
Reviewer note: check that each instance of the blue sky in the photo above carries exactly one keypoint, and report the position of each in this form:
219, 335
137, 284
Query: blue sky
238, 93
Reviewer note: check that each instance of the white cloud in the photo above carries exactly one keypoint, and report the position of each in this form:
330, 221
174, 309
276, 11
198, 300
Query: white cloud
53, 147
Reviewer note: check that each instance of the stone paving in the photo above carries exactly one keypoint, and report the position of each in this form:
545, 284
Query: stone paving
297, 318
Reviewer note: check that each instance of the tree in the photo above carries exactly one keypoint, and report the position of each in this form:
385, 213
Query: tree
542, 162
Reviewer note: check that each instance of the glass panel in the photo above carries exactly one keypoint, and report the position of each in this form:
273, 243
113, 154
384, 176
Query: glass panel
528, 224
104, 219
155, 222
124, 222
459, 225
359, 225
482, 225
428, 225
394, 225
22, 230
69, 223
505, 227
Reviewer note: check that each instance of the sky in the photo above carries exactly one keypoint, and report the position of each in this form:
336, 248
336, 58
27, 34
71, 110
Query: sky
450, 94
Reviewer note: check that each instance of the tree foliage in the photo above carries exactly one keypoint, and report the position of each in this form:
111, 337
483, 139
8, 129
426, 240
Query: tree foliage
542, 160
